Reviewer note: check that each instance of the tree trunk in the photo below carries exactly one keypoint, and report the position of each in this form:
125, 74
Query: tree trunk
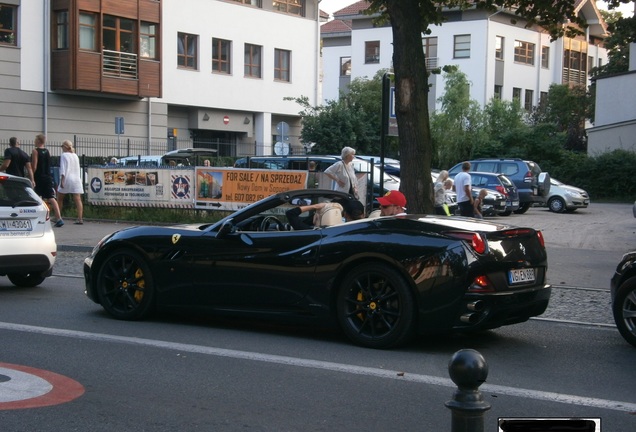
411, 105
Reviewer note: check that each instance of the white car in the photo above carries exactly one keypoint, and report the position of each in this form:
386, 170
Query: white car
27, 242
564, 197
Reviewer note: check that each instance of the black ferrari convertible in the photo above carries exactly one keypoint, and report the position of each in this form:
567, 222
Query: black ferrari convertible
380, 280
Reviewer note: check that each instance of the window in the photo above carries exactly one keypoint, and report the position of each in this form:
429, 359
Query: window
499, 47
87, 31
543, 98
221, 52
282, 64
574, 61
187, 51
372, 52
461, 48
545, 57
292, 7
528, 101
345, 66
429, 45
148, 40
60, 35
524, 52
119, 34
516, 94
8, 25
252, 61
498, 90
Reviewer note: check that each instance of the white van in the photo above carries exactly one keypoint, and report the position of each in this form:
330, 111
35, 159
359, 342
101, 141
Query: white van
180, 157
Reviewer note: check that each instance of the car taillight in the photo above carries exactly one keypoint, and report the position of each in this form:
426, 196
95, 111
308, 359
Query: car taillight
501, 190
48, 212
528, 177
477, 242
481, 284
541, 239
3, 177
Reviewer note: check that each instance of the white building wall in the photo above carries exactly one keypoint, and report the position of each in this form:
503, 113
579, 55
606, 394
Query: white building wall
358, 38
240, 25
331, 71
30, 42
615, 99
473, 66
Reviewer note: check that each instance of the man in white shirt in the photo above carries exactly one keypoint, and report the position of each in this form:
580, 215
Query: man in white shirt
464, 191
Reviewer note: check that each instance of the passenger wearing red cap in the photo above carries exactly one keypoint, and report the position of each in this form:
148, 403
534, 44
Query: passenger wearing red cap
392, 204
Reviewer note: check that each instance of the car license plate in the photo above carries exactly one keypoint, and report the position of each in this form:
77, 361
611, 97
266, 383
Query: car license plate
515, 203
15, 225
521, 276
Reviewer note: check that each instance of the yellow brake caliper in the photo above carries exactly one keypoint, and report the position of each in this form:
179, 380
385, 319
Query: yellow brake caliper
141, 283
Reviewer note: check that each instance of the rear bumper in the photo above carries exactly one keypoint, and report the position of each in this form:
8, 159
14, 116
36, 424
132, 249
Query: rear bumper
30, 263
492, 310
529, 196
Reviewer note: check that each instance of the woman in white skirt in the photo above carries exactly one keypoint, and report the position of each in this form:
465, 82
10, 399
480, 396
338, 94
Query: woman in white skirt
70, 180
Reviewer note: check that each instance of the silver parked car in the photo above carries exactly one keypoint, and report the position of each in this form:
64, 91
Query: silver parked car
564, 197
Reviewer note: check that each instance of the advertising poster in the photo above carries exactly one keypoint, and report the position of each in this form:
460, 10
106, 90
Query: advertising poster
232, 189
139, 187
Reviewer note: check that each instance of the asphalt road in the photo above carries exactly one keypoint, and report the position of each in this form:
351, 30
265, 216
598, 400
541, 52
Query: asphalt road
191, 373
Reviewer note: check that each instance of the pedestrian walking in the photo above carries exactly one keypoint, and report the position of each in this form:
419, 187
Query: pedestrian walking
16, 161
70, 180
464, 192
41, 162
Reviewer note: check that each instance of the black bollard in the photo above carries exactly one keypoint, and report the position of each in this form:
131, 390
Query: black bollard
468, 369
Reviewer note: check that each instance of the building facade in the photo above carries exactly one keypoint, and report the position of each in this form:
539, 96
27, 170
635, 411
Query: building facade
615, 113
500, 56
163, 72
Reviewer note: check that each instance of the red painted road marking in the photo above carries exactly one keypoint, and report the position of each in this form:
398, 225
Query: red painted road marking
29, 387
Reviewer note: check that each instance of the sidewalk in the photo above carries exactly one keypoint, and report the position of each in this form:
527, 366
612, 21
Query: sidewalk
82, 238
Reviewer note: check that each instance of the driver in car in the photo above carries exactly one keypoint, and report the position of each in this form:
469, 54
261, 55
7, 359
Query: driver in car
325, 214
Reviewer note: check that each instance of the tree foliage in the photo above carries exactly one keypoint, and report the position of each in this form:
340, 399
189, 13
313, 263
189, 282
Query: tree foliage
459, 125
622, 31
353, 120
566, 108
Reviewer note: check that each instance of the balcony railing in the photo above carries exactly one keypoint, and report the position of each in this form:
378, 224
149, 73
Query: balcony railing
119, 64
431, 62
573, 76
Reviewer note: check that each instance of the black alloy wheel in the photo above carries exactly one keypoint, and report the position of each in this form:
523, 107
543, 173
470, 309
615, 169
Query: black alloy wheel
624, 309
376, 307
124, 286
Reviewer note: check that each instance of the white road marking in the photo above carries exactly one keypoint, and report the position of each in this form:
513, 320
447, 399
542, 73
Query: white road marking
324, 365
22, 386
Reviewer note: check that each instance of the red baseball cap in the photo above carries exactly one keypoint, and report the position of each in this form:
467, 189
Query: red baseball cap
393, 198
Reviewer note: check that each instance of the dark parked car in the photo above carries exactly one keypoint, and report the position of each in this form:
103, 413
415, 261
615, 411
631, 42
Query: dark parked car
623, 291
532, 183
381, 280
501, 184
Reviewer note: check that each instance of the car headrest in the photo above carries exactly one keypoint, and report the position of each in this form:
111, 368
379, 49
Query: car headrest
329, 215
